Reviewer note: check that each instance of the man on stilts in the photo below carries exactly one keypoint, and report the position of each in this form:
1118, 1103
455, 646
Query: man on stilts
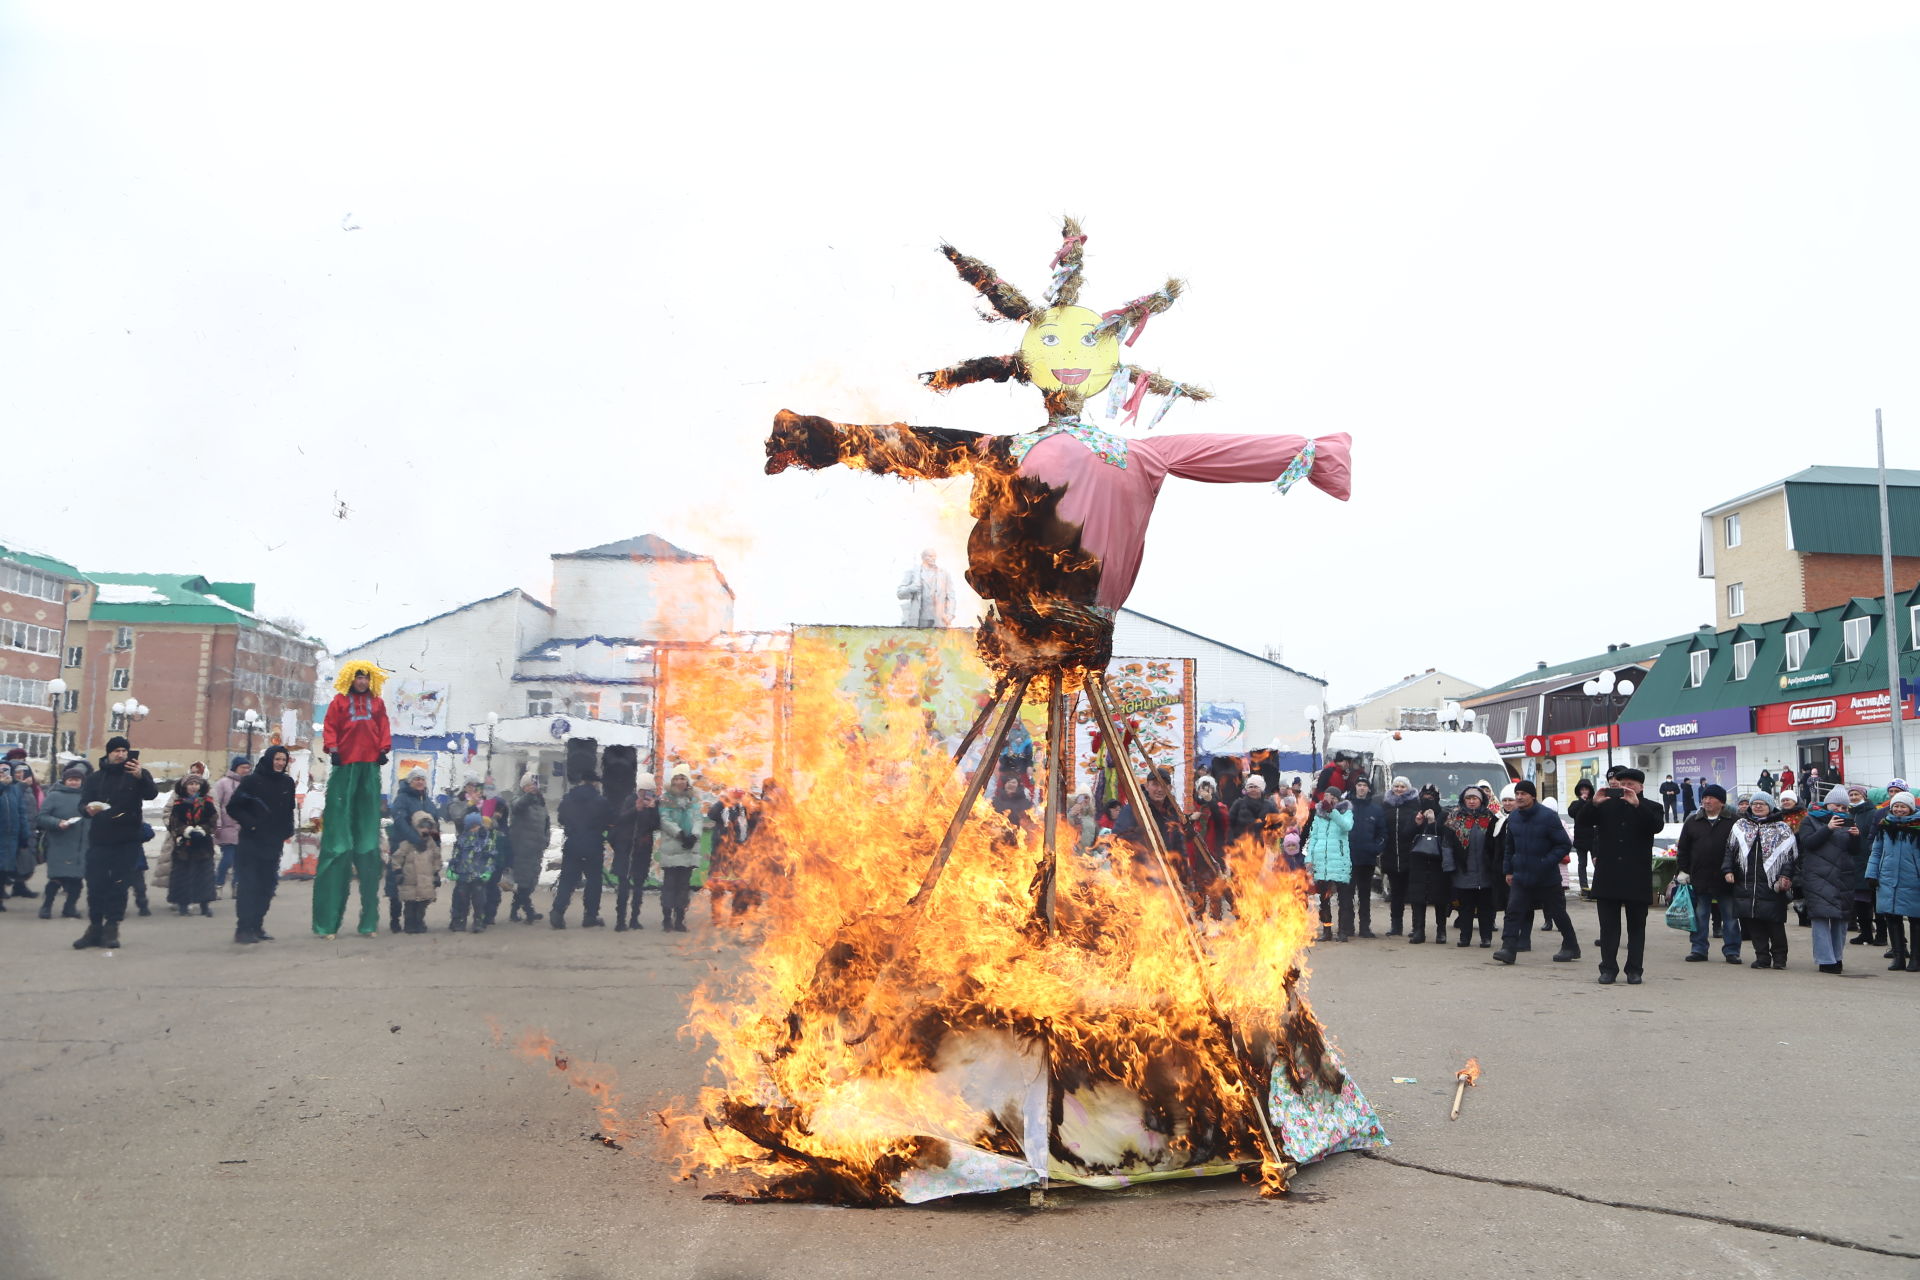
357, 740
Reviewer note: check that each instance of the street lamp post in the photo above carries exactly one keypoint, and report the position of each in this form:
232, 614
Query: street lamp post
253, 722
56, 690
493, 726
1313, 736
1613, 691
130, 713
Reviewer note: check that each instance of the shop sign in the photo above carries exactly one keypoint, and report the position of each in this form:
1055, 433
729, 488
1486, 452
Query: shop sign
1835, 712
1704, 724
1792, 680
1562, 744
1536, 745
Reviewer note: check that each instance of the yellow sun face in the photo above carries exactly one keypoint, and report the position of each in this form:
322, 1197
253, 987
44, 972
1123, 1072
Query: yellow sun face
1063, 352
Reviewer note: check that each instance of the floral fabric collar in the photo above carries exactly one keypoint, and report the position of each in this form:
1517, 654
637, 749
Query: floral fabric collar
1104, 445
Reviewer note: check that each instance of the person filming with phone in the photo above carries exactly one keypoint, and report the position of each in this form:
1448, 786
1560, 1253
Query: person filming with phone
1622, 823
111, 797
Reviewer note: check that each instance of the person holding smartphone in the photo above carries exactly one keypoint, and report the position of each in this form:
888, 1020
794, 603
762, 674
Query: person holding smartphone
1622, 823
111, 797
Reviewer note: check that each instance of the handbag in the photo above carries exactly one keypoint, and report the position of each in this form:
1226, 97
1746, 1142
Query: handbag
1680, 910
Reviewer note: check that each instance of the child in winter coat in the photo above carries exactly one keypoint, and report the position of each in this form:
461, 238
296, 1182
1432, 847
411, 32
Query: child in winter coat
419, 866
478, 859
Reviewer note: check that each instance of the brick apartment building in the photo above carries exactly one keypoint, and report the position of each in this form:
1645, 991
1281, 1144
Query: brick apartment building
43, 611
195, 654
1808, 542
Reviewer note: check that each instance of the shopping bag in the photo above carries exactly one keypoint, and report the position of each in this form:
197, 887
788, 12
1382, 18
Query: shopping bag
1680, 910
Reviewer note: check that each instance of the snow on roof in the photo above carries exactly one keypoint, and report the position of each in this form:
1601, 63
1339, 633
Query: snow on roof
128, 593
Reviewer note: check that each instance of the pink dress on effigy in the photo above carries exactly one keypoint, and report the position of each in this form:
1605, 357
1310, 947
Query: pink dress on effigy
1110, 483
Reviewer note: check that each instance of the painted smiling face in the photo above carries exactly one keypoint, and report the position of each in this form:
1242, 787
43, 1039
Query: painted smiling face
1063, 352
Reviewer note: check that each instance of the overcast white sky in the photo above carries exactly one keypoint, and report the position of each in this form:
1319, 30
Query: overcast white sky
1567, 274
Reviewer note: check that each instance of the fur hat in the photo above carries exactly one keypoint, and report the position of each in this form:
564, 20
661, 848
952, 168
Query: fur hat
1401, 780
416, 772
1255, 781
680, 771
424, 821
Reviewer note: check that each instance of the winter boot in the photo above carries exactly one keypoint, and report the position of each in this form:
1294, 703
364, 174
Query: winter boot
46, 908
559, 920
1326, 933
1913, 944
206, 909
1440, 932
1504, 956
593, 922
110, 935
1566, 953
180, 908
91, 938
680, 920
245, 936
140, 895
393, 915
416, 913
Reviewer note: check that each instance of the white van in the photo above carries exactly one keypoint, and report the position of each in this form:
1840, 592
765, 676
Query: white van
1449, 762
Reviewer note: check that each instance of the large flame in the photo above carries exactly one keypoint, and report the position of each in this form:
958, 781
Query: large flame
867, 1037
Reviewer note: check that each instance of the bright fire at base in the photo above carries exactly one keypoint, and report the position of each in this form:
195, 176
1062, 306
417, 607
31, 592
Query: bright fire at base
873, 1051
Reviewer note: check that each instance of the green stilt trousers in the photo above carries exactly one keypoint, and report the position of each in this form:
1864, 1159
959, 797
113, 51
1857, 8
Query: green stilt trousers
349, 849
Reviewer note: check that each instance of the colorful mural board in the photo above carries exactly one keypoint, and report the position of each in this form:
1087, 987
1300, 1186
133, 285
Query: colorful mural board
1154, 698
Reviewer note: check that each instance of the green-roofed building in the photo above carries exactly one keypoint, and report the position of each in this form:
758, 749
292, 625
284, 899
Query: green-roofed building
1808, 542
196, 656
43, 612
1549, 729
1807, 691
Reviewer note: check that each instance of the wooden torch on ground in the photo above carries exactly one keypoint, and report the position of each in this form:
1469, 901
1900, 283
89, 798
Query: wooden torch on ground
1465, 1076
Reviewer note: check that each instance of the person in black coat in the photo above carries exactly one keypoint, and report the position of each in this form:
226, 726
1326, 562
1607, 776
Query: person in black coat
1582, 835
1866, 824
1670, 798
1364, 843
1533, 847
263, 806
1829, 866
1700, 851
584, 816
1397, 832
633, 833
1623, 823
1687, 802
1762, 856
111, 797
1428, 884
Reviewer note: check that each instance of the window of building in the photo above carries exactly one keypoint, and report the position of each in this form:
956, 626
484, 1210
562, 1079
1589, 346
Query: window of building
66, 741
583, 706
1697, 663
1731, 528
1516, 724
1736, 599
123, 638
23, 693
539, 702
117, 723
636, 708
1854, 634
23, 581
77, 655
1797, 643
73, 701
123, 677
1743, 659
1913, 626
38, 745
26, 636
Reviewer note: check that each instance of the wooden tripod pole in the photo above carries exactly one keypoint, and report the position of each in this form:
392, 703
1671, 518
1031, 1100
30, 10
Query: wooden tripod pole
1008, 704
1059, 757
1101, 706
980, 721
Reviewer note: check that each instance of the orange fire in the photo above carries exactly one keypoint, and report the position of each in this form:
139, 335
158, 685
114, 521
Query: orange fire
1469, 1073
871, 1046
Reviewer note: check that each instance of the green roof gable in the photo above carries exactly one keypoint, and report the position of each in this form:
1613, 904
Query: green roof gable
1666, 691
1836, 510
168, 597
1568, 670
44, 563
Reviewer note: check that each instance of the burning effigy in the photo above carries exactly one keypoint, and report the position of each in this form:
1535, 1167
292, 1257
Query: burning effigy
937, 1005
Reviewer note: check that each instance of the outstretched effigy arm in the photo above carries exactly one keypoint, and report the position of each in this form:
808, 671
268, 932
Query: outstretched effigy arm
1325, 462
923, 453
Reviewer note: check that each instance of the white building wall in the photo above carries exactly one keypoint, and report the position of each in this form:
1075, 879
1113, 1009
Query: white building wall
1276, 698
1431, 690
648, 599
473, 650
